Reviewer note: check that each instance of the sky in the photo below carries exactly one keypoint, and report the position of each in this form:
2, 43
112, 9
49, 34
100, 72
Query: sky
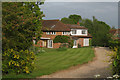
103, 11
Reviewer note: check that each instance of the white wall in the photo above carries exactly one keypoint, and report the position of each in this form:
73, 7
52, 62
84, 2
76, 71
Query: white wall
79, 32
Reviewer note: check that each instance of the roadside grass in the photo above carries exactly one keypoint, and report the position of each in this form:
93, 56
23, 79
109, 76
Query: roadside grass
53, 60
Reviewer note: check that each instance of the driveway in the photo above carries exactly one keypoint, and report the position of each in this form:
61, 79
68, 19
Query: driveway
98, 66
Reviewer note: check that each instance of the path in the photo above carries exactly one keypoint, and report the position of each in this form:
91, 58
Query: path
89, 70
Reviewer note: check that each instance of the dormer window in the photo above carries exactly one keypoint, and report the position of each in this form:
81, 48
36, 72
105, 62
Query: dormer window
53, 33
73, 31
83, 31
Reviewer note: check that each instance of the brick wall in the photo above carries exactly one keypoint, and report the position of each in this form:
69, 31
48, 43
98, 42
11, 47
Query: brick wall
56, 45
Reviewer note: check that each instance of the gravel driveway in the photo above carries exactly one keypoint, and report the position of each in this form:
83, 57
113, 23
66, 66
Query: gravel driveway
96, 67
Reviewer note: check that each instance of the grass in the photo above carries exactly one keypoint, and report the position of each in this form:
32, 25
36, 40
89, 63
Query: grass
53, 60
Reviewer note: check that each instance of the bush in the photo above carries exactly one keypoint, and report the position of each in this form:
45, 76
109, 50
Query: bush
17, 62
79, 46
34, 49
61, 39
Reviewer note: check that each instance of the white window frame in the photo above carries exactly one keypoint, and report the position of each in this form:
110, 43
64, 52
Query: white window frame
75, 31
86, 42
48, 33
84, 31
53, 33
64, 33
49, 44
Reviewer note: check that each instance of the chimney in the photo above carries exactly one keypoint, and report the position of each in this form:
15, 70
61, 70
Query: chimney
78, 23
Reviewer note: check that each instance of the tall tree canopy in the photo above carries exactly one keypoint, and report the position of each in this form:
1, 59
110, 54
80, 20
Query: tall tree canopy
67, 20
20, 22
76, 18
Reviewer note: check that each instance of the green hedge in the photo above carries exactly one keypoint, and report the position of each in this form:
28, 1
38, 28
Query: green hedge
115, 46
17, 62
63, 39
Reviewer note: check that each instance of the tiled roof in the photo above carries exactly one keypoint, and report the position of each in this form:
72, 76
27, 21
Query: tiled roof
54, 25
75, 26
112, 31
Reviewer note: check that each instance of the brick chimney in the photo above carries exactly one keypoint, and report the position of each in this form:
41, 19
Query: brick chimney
78, 23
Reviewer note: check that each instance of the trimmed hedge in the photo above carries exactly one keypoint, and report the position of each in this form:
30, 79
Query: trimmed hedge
63, 39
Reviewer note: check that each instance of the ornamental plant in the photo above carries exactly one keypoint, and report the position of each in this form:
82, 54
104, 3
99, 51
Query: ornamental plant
17, 62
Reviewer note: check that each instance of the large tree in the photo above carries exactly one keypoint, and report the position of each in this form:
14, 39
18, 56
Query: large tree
67, 20
20, 22
75, 18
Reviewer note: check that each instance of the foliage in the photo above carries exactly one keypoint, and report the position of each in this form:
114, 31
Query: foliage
67, 21
17, 62
34, 49
115, 56
75, 18
20, 22
79, 46
61, 39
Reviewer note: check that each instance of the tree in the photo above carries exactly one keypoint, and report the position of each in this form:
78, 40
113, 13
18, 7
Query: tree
20, 22
67, 20
75, 18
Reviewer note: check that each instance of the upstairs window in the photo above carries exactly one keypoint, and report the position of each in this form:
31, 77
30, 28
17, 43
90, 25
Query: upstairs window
73, 31
65, 33
48, 33
83, 31
53, 33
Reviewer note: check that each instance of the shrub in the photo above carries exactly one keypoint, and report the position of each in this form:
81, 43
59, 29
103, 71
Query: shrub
79, 46
34, 49
17, 62
61, 39
115, 57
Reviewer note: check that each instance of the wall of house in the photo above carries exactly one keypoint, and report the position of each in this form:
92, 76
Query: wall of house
51, 36
56, 45
79, 32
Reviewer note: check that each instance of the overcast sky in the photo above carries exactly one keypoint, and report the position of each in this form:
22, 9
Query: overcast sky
103, 11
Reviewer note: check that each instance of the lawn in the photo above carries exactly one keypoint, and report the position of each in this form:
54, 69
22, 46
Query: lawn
53, 60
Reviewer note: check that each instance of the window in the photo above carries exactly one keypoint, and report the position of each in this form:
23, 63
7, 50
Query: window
47, 32
65, 33
53, 33
73, 31
83, 32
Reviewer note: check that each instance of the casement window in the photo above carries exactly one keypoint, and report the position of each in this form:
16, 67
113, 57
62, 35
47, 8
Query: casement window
73, 31
83, 31
48, 33
53, 33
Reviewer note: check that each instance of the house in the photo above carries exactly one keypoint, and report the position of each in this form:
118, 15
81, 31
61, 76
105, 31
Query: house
115, 33
52, 28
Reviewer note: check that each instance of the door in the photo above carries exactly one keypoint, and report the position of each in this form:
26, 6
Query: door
86, 42
75, 44
50, 43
